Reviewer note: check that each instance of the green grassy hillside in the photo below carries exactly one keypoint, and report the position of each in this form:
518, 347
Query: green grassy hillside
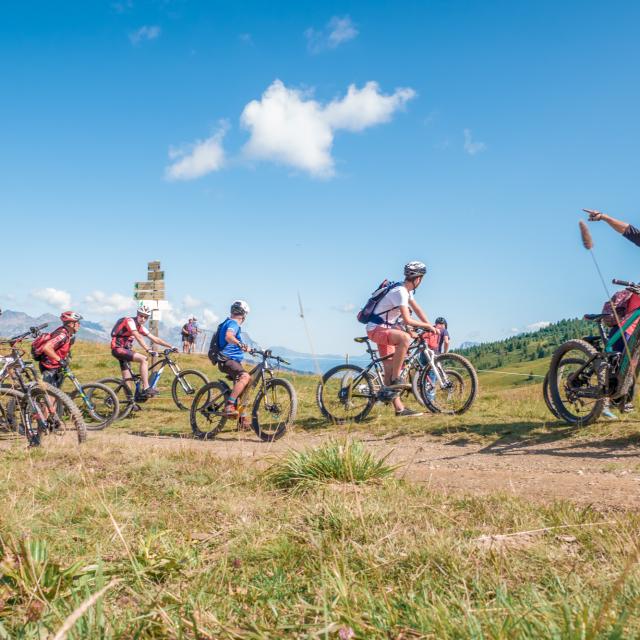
527, 347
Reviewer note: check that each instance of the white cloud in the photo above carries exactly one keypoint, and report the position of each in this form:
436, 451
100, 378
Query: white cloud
197, 159
470, 146
288, 126
190, 301
103, 303
366, 107
54, 297
144, 34
336, 32
209, 318
536, 326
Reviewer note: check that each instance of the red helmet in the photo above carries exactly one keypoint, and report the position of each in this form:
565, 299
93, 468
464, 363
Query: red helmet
70, 316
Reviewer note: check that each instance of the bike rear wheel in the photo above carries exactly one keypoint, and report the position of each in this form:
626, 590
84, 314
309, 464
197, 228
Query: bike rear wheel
101, 408
10, 417
50, 411
184, 387
124, 395
346, 393
207, 410
458, 388
274, 409
572, 380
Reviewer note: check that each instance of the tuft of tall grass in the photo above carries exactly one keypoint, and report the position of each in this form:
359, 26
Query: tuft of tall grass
340, 460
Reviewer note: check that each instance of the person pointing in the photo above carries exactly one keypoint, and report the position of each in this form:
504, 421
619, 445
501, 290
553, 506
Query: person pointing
630, 232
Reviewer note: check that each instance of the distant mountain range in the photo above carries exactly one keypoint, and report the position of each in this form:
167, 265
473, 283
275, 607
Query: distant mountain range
13, 323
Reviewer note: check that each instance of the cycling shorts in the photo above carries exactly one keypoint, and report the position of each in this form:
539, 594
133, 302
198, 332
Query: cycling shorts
232, 369
53, 377
381, 336
123, 356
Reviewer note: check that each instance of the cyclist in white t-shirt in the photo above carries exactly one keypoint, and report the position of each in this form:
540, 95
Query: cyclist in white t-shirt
391, 336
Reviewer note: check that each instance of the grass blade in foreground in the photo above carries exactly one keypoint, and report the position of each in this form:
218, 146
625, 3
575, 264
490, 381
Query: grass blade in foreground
336, 461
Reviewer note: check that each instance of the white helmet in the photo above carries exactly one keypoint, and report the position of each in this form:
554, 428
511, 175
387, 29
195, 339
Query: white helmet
143, 310
240, 307
414, 269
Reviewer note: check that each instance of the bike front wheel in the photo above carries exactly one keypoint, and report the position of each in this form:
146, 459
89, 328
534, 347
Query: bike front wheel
99, 406
207, 410
546, 391
346, 393
457, 388
274, 409
184, 387
577, 381
124, 395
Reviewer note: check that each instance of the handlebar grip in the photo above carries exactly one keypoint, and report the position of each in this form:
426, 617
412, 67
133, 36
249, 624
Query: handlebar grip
623, 283
38, 328
284, 361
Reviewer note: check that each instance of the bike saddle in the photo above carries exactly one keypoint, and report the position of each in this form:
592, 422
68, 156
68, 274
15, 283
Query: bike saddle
594, 317
365, 339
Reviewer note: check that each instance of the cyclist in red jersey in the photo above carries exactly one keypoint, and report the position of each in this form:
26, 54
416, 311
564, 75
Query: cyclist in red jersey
123, 335
57, 349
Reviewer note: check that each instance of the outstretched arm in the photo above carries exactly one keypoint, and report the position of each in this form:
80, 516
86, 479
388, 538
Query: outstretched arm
617, 225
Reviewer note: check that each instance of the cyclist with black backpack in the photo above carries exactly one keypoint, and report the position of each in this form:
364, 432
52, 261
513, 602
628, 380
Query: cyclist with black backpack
227, 351
123, 334
53, 350
389, 322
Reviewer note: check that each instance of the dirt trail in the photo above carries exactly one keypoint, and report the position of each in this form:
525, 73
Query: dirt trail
604, 473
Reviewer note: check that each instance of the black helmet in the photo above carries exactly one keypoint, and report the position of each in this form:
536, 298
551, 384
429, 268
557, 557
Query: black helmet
441, 320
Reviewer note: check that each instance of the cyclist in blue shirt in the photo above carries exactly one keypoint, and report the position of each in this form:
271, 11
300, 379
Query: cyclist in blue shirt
231, 353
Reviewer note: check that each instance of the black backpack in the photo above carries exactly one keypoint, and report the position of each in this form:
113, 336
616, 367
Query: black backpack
368, 312
215, 355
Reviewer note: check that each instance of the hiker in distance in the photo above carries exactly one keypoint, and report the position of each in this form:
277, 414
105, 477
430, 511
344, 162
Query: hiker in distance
386, 327
630, 232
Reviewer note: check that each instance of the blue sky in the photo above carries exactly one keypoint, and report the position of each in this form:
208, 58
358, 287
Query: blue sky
223, 139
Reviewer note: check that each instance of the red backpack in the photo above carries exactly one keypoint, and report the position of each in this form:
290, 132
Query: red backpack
38, 344
617, 306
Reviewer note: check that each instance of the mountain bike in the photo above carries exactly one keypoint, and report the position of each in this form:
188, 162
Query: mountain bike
443, 383
183, 389
97, 403
586, 373
349, 392
274, 407
33, 407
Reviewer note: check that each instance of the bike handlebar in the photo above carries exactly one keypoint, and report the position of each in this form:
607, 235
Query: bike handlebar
267, 354
624, 283
33, 331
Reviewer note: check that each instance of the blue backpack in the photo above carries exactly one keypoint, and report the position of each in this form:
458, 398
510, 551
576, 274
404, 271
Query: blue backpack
368, 312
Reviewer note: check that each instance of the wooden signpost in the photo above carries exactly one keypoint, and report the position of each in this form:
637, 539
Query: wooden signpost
151, 293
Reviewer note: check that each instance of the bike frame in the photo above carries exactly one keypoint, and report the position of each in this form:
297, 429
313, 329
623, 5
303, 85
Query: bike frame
416, 349
629, 359
76, 383
14, 366
155, 373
